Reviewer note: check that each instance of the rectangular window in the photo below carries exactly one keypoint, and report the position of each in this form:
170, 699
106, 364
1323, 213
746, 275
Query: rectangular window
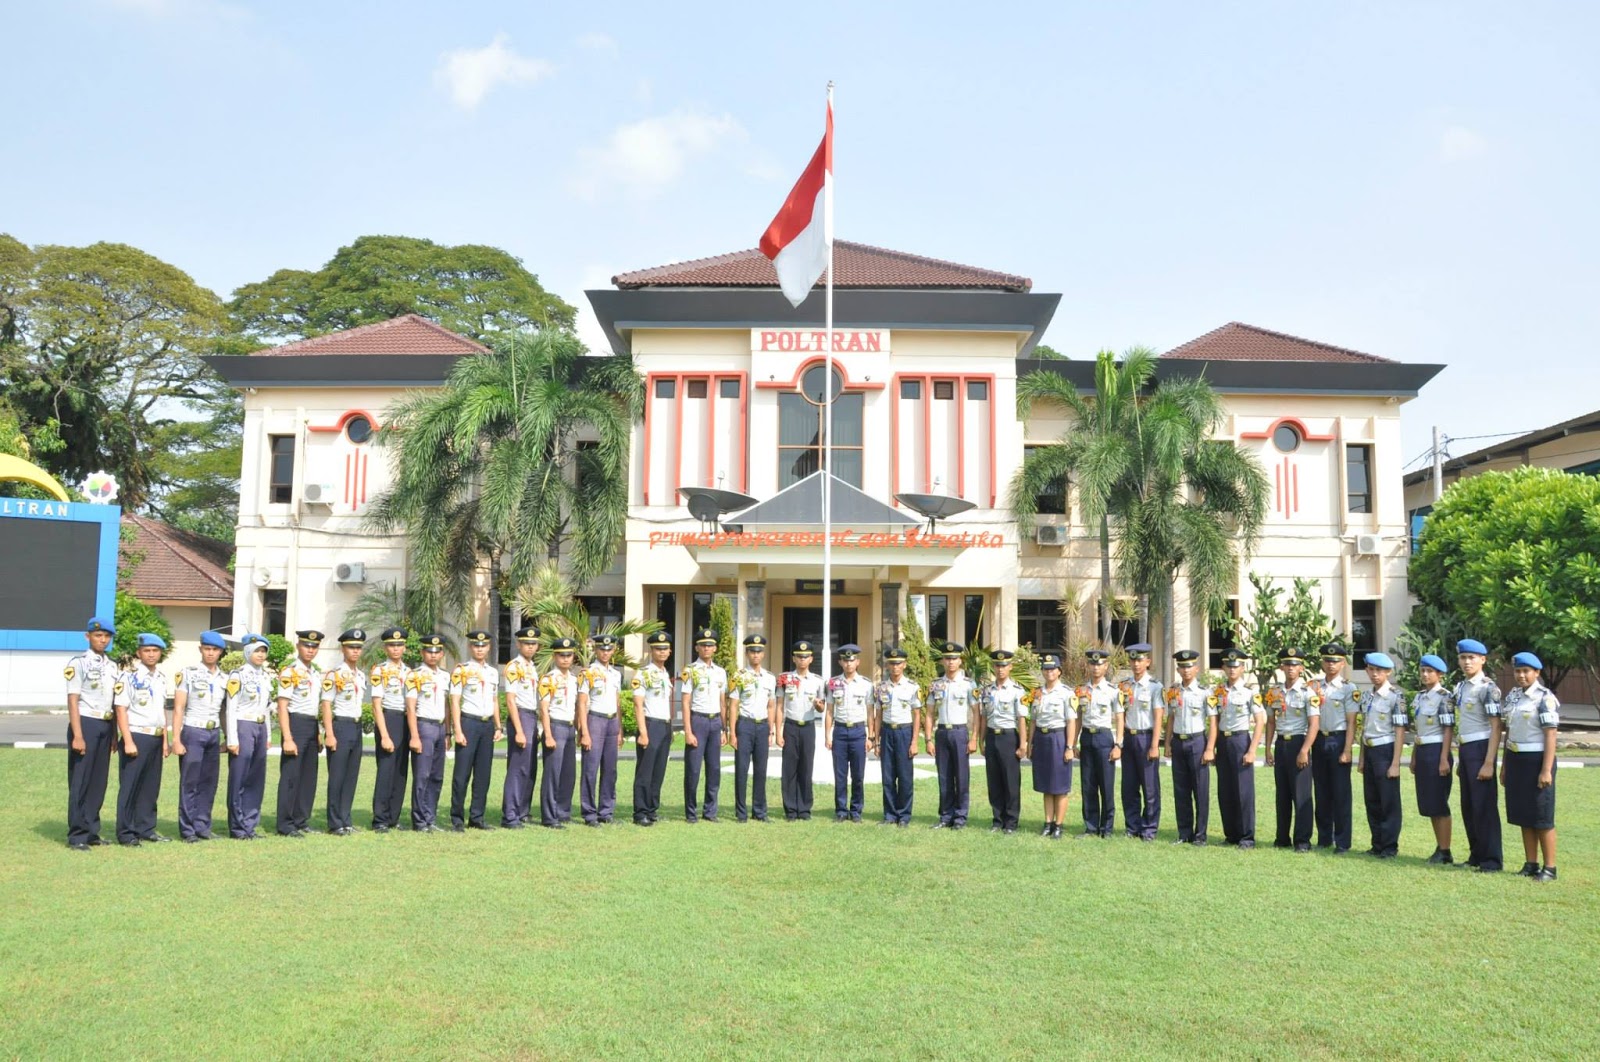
911, 389
973, 607
1040, 624
1052, 501
728, 388
505, 646
696, 388
1126, 631
978, 390
274, 611
1358, 473
1223, 637
699, 613
1363, 631
944, 390
221, 619
666, 387
938, 618
667, 615
281, 479
602, 611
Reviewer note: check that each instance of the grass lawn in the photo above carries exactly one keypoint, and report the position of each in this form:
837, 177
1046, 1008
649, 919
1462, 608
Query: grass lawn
804, 940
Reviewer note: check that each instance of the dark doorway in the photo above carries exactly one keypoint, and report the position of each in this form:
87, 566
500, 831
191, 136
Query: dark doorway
805, 624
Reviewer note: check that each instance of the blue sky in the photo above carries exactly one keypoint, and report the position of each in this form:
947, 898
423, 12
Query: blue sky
1415, 180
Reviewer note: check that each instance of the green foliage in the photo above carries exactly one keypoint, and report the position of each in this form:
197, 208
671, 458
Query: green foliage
231, 661
489, 467
474, 290
1429, 629
1044, 353
196, 463
133, 618
384, 604
279, 649
1515, 556
727, 654
921, 667
1273, 624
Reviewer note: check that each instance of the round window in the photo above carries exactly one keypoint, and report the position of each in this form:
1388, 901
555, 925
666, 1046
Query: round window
1286, 438
812, 384
358, 429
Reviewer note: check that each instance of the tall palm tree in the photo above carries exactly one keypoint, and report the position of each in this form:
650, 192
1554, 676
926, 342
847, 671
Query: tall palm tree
549, 600
490, 472
1148, 472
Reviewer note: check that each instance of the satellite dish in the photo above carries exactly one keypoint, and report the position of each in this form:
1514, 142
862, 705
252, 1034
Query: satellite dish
707, 504
935, 507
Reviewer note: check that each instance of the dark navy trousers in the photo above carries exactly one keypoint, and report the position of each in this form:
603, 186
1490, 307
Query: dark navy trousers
297, 776
954, 765
522, 770
597, 794
849, 756
197, 780
474, 760
1099, 781
344, 769
1480, 807
138, 788
389, 788
707, 756
1141, 785
1236, 789
427, 775
1003, 771
560, 774
86, 778
1191, 785
799, 758
247, 779
1382, 797
753, 736
1293, 792
1330, 786
894, 753
650, 769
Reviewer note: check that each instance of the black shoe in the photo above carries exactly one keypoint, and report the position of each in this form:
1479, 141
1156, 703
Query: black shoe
1441, 856
958, 825
1387, 855
193, 840
381, 829
1341, 851
593, 824
300, 833
606, 821
806, 817
456, 827
1008, 830
156, 838
903, 825
1049, 830
1546, 874
1302, 848
1529, 870
1247, 845
1055, 832
94, 842
995, 828
644, 822
130, 844
710, 818
940, 826
1199, 842
1487, 868
78, 846
479, 826
554, 825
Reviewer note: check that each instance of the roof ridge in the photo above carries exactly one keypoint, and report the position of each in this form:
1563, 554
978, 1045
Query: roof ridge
342, 334
912, 256
1221, 332
165, 535
1311, 342
856, 265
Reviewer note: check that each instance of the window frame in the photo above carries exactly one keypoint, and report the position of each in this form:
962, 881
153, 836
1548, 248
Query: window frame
1358, 502
823, 452
280, 492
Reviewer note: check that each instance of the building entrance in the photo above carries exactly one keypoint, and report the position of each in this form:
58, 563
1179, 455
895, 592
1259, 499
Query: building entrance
805, 624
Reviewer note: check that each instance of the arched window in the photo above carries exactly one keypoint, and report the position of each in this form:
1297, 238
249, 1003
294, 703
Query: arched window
800, 429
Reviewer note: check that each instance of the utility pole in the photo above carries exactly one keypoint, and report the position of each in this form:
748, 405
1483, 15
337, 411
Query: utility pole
1438, 466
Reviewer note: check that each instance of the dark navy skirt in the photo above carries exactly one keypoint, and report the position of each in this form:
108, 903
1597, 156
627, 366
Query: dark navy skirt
1050, 774
1526, 804
1433, 790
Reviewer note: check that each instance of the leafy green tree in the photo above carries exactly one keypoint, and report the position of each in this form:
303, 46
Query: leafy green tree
489, 470
97, 345
1274, 624
1429, 629
471, 289
1515, 557
921, 667
384, 604
196, 464
133, 618
727, 655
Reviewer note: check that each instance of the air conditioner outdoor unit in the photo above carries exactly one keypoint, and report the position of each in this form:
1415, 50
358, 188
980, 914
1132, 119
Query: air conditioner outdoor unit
349, 572
317, 493
1368, 544
1050, 535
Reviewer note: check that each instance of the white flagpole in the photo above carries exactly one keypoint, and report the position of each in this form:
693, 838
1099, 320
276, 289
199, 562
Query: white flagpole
827, 422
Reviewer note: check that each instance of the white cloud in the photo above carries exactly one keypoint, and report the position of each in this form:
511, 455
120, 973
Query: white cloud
470, 74
599, 42
644, 157
1458, 144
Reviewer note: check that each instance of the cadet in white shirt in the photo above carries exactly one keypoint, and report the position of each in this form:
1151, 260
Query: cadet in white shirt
425, 712
1239, 723
1144, 717
475, 716
1528, 771
558, 714
600, 733
1478, 730
652, 708
1005, 743
1100, 706
521, 687
1331, 757
1192, 744
197, 725
91, 726
801, 694
703, 694
952, 722
1433, 721
299, 685
1053, 724
248, 726
753, 697
344, 694
845, 723
1383, 736
1293, 717
894, 724
141, 706
390, 682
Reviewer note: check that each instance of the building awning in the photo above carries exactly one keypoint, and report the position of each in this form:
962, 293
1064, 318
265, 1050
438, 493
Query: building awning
801, 506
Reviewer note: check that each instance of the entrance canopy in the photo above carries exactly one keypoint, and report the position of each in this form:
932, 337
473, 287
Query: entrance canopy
801, 506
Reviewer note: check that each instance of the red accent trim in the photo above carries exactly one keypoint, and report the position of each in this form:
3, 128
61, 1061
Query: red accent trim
1294, 473
649, 400
838, 363
961, 438
365, 459
708, 469
1294, 422
894, 438
349, 414
1277, 488
927, 435
677, 473
992, 467
348, 479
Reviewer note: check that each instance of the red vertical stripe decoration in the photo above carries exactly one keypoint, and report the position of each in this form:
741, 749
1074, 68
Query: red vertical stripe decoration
1294, 471
365, 457
961, 437
347, 479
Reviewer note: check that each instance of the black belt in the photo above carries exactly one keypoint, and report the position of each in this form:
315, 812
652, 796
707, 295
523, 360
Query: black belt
1048, 729
895, 726
1140, 733
1189, 737
706, 715
847, 726
950, 726
1289, 737
998, 730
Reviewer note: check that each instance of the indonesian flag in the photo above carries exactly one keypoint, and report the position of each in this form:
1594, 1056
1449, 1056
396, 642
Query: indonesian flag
800, 239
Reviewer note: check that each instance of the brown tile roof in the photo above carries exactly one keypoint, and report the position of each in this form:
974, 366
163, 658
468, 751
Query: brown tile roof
407, 334
855, 265
1242, 342
177, 565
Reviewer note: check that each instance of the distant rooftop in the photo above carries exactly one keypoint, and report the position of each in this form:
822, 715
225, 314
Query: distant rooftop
856, 265
1242, 342
407, 334
177, 565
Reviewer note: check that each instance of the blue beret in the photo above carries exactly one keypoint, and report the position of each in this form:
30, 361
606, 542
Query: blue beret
1527, 660
212, 638
1472, 645
251, 639
1380, 660
147, 640
1434, 662
99, 623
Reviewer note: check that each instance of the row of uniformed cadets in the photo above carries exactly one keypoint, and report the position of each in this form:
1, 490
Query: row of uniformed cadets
1312, 731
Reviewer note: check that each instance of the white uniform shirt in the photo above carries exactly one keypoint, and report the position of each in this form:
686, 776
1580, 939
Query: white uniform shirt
1528, 714
653, 684
1140, 700
849, 697
1477, 705
897, 700
1339, 698
522, 682
1293, 707
799, 692
204, 690
1238, 707
478, 686
345, 687
93, 677
1097, 704
753, 689
1386, 709
390, 680
950, 699
1051, 707
705, 684
562, 689
1190, 705
250, 700
144, 693
1432, 711
1001, 704
601, 683
431, 685
300, 683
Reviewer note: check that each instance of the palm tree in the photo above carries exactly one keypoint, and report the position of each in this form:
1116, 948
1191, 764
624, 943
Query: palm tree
1146, 468
550, 602
384, 604
490, 471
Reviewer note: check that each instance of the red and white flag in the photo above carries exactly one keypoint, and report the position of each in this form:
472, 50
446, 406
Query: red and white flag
800, 239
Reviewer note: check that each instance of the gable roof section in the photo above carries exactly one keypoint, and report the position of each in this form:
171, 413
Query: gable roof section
177, 565
800, 505
856, 265
1241, 342
407, 334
